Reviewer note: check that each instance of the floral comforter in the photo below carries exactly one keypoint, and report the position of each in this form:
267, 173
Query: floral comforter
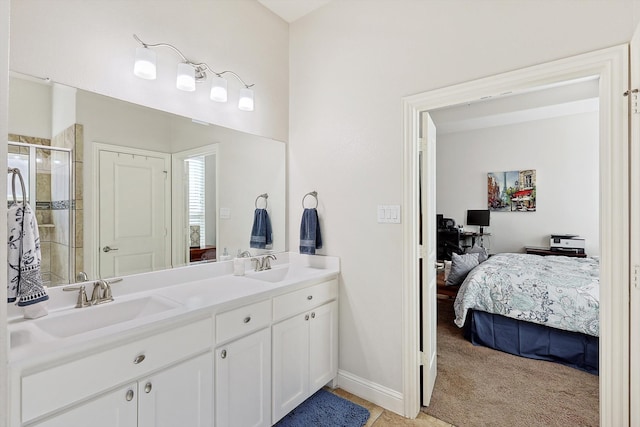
557, 291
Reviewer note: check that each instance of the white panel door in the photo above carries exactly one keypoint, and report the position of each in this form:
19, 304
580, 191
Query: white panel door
428, 262
133, 213
635, 229
114, 409
290, 375
243, 382
178, 396
323, 346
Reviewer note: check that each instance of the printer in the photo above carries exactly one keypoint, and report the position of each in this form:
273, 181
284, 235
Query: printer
567, 243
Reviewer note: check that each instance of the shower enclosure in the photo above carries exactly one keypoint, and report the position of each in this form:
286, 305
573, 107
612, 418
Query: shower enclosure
47, 173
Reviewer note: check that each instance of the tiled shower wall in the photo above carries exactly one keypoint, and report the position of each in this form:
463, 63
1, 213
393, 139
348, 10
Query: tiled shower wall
68, 239
59, 237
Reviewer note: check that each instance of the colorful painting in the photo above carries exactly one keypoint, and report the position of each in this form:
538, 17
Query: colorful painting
512, 191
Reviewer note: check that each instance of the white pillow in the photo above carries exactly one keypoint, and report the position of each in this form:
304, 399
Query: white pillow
461, 265
447, 269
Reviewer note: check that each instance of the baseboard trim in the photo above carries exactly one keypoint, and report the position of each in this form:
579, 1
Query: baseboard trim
374, 393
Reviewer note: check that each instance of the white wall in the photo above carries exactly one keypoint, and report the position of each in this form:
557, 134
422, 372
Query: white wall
30, 112
4, 130
90, 45
63, 108
564, 153
351, 64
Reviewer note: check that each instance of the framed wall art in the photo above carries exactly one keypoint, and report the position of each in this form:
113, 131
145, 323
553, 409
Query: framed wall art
512, 191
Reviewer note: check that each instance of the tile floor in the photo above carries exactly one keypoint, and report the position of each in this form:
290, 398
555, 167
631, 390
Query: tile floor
381, 417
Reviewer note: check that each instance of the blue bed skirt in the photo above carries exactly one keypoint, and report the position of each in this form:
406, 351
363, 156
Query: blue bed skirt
532, 340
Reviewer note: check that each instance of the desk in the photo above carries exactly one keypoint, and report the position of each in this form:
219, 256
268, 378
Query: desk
534, 250
207, 253
473, 236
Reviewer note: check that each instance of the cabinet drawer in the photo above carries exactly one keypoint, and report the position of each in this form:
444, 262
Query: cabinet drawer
304, 299
242, 320
62, 385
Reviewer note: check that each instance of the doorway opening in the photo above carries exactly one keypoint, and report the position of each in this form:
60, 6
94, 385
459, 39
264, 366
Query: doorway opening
551, 132
611, 68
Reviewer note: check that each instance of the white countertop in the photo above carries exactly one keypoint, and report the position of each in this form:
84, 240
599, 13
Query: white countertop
186, 293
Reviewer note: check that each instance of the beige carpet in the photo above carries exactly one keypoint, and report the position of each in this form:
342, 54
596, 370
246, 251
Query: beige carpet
478, 386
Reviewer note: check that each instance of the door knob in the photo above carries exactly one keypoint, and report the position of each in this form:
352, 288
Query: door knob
108, 249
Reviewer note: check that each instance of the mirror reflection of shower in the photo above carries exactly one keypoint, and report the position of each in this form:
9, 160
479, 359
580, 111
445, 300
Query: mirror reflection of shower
47, 175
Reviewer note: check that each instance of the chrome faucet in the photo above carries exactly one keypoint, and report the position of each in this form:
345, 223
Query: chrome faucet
101, 292
83, 301
266, 261
263, 263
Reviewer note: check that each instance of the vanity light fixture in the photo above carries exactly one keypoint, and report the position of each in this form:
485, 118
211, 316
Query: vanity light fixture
190, 73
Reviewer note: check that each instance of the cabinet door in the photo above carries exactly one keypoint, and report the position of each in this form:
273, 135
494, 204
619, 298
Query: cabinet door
114, 409
323, 346
243, 382
290, 375
181, 395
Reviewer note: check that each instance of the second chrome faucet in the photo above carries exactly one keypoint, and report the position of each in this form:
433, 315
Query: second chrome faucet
263, 263
100, 295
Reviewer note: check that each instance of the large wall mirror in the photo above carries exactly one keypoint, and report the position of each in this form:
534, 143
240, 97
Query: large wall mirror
120, 188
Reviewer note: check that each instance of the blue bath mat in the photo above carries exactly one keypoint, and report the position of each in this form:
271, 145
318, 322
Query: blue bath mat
325, 409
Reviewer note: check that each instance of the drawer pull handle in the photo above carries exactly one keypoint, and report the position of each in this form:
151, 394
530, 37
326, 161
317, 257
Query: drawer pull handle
313, 315
139, 359
306, 317
129, 395
247, 319
147, 388
310, 297
223, 354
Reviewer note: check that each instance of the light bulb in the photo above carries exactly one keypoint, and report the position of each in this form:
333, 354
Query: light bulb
186, 79
145, 65
245, 103
218, 89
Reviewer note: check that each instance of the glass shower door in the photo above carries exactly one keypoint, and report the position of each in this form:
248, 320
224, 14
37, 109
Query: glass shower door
47, 175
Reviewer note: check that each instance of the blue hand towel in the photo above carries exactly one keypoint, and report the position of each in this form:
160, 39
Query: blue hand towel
310, 237
261, 234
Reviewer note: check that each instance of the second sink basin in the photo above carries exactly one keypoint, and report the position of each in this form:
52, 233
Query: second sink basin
80, 320
274, 275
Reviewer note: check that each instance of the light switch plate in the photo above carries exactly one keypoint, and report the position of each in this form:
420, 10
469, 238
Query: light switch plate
225, 213
388, 214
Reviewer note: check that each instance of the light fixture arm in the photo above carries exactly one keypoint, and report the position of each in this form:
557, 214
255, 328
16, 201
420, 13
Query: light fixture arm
199, 67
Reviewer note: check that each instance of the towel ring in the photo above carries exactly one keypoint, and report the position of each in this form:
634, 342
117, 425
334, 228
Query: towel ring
313, 194
16, 171
265, 196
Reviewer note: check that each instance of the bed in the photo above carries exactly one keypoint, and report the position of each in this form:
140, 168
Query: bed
534, 306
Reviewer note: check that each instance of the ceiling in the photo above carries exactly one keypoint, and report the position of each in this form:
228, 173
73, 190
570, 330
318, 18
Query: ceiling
562, 99
291, 10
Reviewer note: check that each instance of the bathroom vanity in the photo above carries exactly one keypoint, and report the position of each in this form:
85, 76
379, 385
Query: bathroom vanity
192, 346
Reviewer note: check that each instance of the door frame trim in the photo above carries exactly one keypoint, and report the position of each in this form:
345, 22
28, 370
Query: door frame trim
95, 202
611, 66
179, 197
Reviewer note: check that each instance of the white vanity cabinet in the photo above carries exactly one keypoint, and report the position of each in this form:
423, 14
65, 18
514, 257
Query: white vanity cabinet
179, 395
305, 345
243, 367
169, 375
117, 408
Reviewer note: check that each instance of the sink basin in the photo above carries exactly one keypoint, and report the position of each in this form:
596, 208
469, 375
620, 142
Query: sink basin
285, 273
274, 275
79, 320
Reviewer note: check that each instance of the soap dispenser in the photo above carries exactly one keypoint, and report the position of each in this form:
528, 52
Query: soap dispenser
225, 255
238, 264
